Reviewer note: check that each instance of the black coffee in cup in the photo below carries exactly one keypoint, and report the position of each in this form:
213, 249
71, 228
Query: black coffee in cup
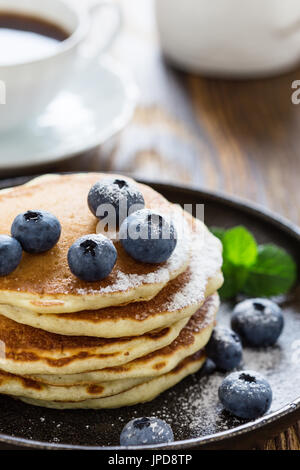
25, 38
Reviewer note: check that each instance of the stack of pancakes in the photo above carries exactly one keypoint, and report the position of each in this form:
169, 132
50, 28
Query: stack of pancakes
66, 343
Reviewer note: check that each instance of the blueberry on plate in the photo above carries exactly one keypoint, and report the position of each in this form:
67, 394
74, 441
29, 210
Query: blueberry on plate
224, 348
92, 257
117, 195
208, 368
245, 394
10, 254
37, 231
146, 431
147, 237
258, 322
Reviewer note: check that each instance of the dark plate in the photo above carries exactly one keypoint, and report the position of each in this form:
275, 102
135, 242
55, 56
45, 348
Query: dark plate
192, 406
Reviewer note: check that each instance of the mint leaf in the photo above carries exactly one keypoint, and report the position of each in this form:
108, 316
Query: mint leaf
234, 279
261, 271
239, 247
273, 273
218, 232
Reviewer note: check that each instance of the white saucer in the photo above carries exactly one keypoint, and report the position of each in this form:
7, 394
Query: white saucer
97, 104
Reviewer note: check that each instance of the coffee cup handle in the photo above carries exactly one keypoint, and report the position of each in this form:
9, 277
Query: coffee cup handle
101, 5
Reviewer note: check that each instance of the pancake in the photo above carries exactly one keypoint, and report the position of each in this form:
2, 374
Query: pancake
66, 343
43, 283
15, 385
179, 299
26, 350
139, 394
192, 337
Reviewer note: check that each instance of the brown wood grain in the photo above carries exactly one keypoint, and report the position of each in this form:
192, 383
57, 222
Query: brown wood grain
241, 137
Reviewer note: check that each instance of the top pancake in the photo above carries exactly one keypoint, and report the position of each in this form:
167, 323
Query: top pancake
179, 299
44, 283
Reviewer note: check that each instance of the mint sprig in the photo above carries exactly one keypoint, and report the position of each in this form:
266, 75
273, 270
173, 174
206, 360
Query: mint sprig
255, 270
239, 247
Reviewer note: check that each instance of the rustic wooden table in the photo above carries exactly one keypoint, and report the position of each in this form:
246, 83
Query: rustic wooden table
240, 137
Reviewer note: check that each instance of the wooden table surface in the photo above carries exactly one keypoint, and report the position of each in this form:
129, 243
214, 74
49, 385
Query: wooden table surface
240, 137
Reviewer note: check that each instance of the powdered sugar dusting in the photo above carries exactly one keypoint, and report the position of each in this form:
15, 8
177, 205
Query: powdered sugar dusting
205, 263
160, 273
191, 408
200, 412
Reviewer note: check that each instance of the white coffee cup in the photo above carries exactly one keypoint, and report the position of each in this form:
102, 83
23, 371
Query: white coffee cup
27, 88
230, 37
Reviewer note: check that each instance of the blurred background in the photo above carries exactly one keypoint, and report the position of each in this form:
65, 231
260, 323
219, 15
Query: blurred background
238, 136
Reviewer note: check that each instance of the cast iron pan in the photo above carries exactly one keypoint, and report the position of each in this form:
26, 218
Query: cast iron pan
191, 407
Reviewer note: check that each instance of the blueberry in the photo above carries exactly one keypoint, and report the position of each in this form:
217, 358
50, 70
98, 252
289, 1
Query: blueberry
147, 237
246, 394
224, 348
10, 254
37, 231
146, 431
92, 257
208, 368
119, 194
259, 322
